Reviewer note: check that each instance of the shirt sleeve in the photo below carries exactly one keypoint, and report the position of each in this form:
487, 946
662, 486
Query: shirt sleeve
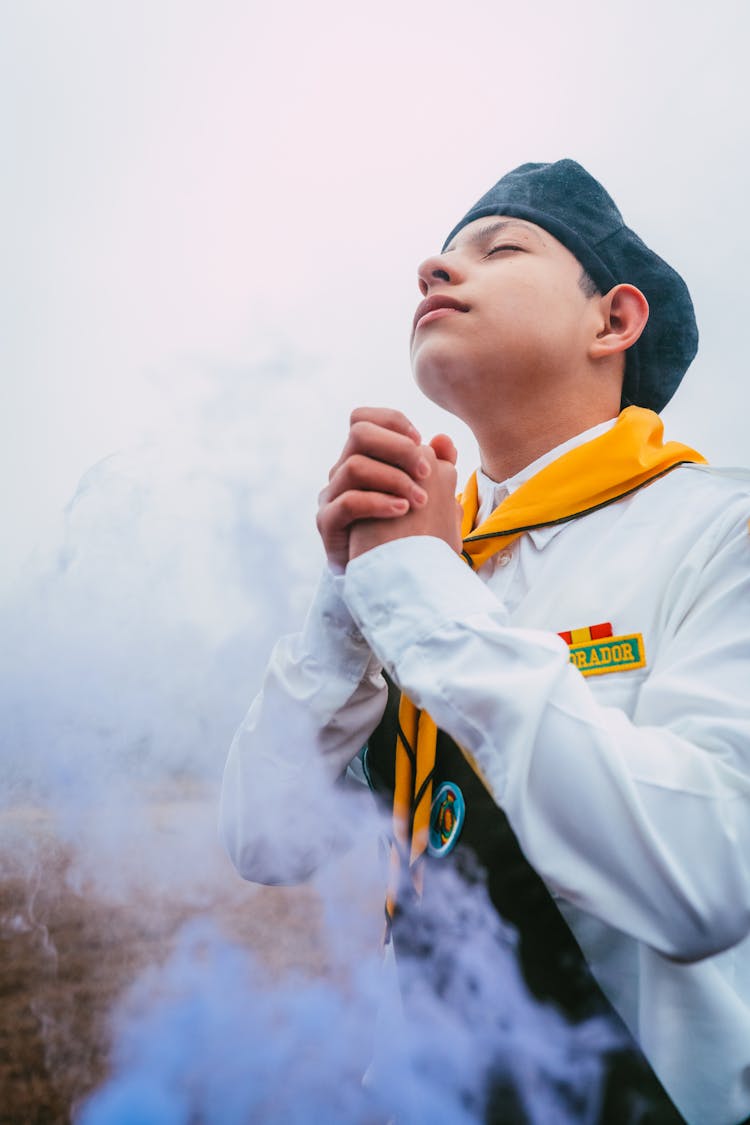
642, 821
322, 696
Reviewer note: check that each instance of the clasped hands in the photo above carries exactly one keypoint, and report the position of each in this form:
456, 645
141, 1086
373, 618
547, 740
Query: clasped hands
387, 485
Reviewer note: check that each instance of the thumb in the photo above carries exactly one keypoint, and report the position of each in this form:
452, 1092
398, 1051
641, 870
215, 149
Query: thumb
444, 448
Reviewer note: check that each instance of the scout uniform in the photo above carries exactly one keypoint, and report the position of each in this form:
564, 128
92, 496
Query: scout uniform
586, 704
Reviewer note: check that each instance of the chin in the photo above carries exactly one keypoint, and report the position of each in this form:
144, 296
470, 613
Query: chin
447, 390
448, 379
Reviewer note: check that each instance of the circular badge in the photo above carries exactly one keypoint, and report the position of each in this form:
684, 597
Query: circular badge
447, 817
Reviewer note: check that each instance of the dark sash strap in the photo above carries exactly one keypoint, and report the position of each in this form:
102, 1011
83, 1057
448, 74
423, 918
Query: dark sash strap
552, 963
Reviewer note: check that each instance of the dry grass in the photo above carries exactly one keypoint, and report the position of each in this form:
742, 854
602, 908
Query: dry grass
67, 954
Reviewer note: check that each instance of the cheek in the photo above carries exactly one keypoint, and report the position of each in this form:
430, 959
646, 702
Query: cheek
512, 308
535, 315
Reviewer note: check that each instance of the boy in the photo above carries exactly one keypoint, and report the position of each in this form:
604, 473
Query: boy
571, 646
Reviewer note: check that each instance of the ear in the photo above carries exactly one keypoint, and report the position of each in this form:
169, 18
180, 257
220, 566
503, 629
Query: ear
623, 316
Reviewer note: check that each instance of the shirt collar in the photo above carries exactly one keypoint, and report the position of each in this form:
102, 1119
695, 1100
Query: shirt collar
492, 493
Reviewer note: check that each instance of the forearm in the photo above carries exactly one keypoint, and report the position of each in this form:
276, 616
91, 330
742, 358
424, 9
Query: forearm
321, 698
640, 825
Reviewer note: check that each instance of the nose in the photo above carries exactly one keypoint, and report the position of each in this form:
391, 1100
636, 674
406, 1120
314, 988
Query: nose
435, 269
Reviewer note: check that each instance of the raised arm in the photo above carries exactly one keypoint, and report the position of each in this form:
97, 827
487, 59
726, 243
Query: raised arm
323, 694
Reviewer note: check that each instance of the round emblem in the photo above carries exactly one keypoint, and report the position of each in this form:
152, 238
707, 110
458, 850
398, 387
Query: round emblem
447, 817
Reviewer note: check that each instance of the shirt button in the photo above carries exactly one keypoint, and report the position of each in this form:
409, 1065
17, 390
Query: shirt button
503, 558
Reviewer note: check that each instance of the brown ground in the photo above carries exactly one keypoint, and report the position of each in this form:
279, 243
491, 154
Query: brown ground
67, 954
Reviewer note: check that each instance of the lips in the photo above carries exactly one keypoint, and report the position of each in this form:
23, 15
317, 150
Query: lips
437, 301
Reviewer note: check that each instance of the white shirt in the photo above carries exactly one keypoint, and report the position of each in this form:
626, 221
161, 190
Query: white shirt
629, 791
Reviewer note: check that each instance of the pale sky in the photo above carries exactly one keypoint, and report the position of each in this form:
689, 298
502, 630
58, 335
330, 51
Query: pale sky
194, 187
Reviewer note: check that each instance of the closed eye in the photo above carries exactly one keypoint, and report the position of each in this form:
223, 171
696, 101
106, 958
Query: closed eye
502, 246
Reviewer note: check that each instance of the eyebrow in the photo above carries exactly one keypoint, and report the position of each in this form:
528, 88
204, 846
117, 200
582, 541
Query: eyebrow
485, 233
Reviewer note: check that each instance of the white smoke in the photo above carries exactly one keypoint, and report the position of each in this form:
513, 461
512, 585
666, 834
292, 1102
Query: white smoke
207, 1037
144, 638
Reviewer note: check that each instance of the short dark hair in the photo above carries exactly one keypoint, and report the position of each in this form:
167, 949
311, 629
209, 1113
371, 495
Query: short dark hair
587, 284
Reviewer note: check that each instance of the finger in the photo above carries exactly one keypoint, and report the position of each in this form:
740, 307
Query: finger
387, 418
444, 448
365, 474
446, 475
351, 506
385, 445
366, 421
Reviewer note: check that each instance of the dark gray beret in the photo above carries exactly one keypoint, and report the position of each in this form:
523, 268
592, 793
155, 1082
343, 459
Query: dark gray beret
574, 207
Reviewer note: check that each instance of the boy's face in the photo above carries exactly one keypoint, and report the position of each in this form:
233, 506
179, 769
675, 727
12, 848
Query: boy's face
514, 318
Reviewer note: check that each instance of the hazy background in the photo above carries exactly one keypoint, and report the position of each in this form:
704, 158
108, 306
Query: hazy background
211, 217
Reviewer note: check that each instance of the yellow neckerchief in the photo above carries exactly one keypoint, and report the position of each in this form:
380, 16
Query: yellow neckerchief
623, 459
